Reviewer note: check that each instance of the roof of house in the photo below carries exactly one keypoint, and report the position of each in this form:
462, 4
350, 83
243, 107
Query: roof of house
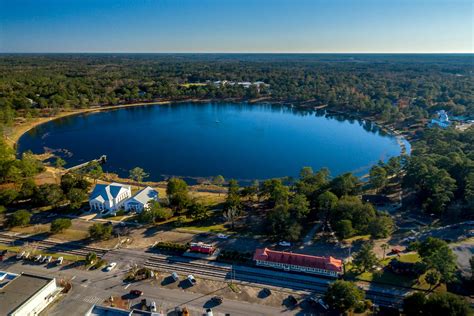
144, 196
326, 263
107, 192
19, 290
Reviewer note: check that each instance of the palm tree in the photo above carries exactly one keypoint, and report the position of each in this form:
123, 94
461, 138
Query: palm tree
384, 248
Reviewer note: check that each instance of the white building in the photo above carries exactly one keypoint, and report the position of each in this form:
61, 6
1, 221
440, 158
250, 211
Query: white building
107, 198
442, 120
26, 294
141, 201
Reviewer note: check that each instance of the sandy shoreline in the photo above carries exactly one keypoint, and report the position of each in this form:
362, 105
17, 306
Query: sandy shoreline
17, 131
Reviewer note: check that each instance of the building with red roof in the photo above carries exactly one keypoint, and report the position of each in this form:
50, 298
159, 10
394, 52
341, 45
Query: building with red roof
290, 261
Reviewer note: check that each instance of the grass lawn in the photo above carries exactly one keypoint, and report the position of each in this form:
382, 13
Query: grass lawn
67, 257
356, 238
388, 277
187, 85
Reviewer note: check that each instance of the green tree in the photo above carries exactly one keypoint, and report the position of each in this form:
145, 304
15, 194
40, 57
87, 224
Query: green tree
384, 247
99, 231
91, 258
377, 177
48, 194
218, 180
76, 197
414, 304
343, 295
326, 202
60, 162
95, 171
299, 206
177, 192
445, 303
138, 174
381, 226
198, 211
60, 224
344, 229
365, 258
345, 184
432, 278
436, 254
19, 218
233, 196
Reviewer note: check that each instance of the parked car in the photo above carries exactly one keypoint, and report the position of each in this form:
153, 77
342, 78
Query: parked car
27, 255
59, 261
292, 300
323, 304
209, 312
267, 291
222, 236
48, 259
110, 266
153, 307
38, 258
136, 293
175, 276
217, 300
284, 243
185, 311
191, 279
20, 255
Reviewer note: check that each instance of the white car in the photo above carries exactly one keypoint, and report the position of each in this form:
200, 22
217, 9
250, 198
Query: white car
110, 266
39, 258
20, 255
191, 279
222, 236
48, 259
284, 243
153, 307
323, 304
59, 261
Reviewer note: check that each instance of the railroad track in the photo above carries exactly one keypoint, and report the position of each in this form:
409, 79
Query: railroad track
71, 248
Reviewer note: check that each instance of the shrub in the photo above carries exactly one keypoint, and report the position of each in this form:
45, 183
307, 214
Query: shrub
19, 218
173, 247
60, 224
100, 231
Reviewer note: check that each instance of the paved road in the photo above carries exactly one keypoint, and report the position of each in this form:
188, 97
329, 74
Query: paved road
93, 287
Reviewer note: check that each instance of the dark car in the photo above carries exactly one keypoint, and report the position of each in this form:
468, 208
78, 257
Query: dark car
136, 293
267, 291
217, 299
292, 300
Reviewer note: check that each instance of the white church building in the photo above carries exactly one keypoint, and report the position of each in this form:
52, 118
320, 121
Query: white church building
106, 198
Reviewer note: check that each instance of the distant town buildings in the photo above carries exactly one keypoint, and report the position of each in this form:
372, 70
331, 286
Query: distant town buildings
26, 294
109, 198
245, 84
290, 261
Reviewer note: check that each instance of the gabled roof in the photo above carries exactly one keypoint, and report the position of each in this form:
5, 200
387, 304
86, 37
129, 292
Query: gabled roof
144, 196
298, 259
107, 192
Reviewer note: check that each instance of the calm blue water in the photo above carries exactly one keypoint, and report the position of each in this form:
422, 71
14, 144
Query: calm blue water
239, 141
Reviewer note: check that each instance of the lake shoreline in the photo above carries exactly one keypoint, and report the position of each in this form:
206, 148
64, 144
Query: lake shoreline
19, 130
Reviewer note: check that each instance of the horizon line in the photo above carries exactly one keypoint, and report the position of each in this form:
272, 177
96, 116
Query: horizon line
245, 52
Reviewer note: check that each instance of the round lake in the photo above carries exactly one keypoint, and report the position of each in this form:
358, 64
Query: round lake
193, 140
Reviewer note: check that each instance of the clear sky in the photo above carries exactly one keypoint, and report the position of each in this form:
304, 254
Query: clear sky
236, 26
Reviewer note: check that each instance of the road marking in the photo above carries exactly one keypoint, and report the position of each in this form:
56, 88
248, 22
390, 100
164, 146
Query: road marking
126, 286
73, 277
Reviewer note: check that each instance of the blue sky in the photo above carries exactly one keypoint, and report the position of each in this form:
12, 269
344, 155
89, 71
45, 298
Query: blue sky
236, 26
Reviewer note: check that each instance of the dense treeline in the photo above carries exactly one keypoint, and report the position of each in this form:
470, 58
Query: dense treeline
440, 171
393, 88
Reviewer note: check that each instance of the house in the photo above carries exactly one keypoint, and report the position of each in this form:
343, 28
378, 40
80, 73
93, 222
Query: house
290, 261
26, 294
442, 120
109, 197
141, 200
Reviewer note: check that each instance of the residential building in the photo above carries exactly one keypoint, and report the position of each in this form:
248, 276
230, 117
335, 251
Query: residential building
442, 120
26, 294
290, 261
141, 201
106, 198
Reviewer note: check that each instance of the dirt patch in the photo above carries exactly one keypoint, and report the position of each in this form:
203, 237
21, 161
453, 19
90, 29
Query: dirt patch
245, 293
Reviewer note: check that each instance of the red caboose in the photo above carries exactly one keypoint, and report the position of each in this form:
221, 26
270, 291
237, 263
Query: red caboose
202, 248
